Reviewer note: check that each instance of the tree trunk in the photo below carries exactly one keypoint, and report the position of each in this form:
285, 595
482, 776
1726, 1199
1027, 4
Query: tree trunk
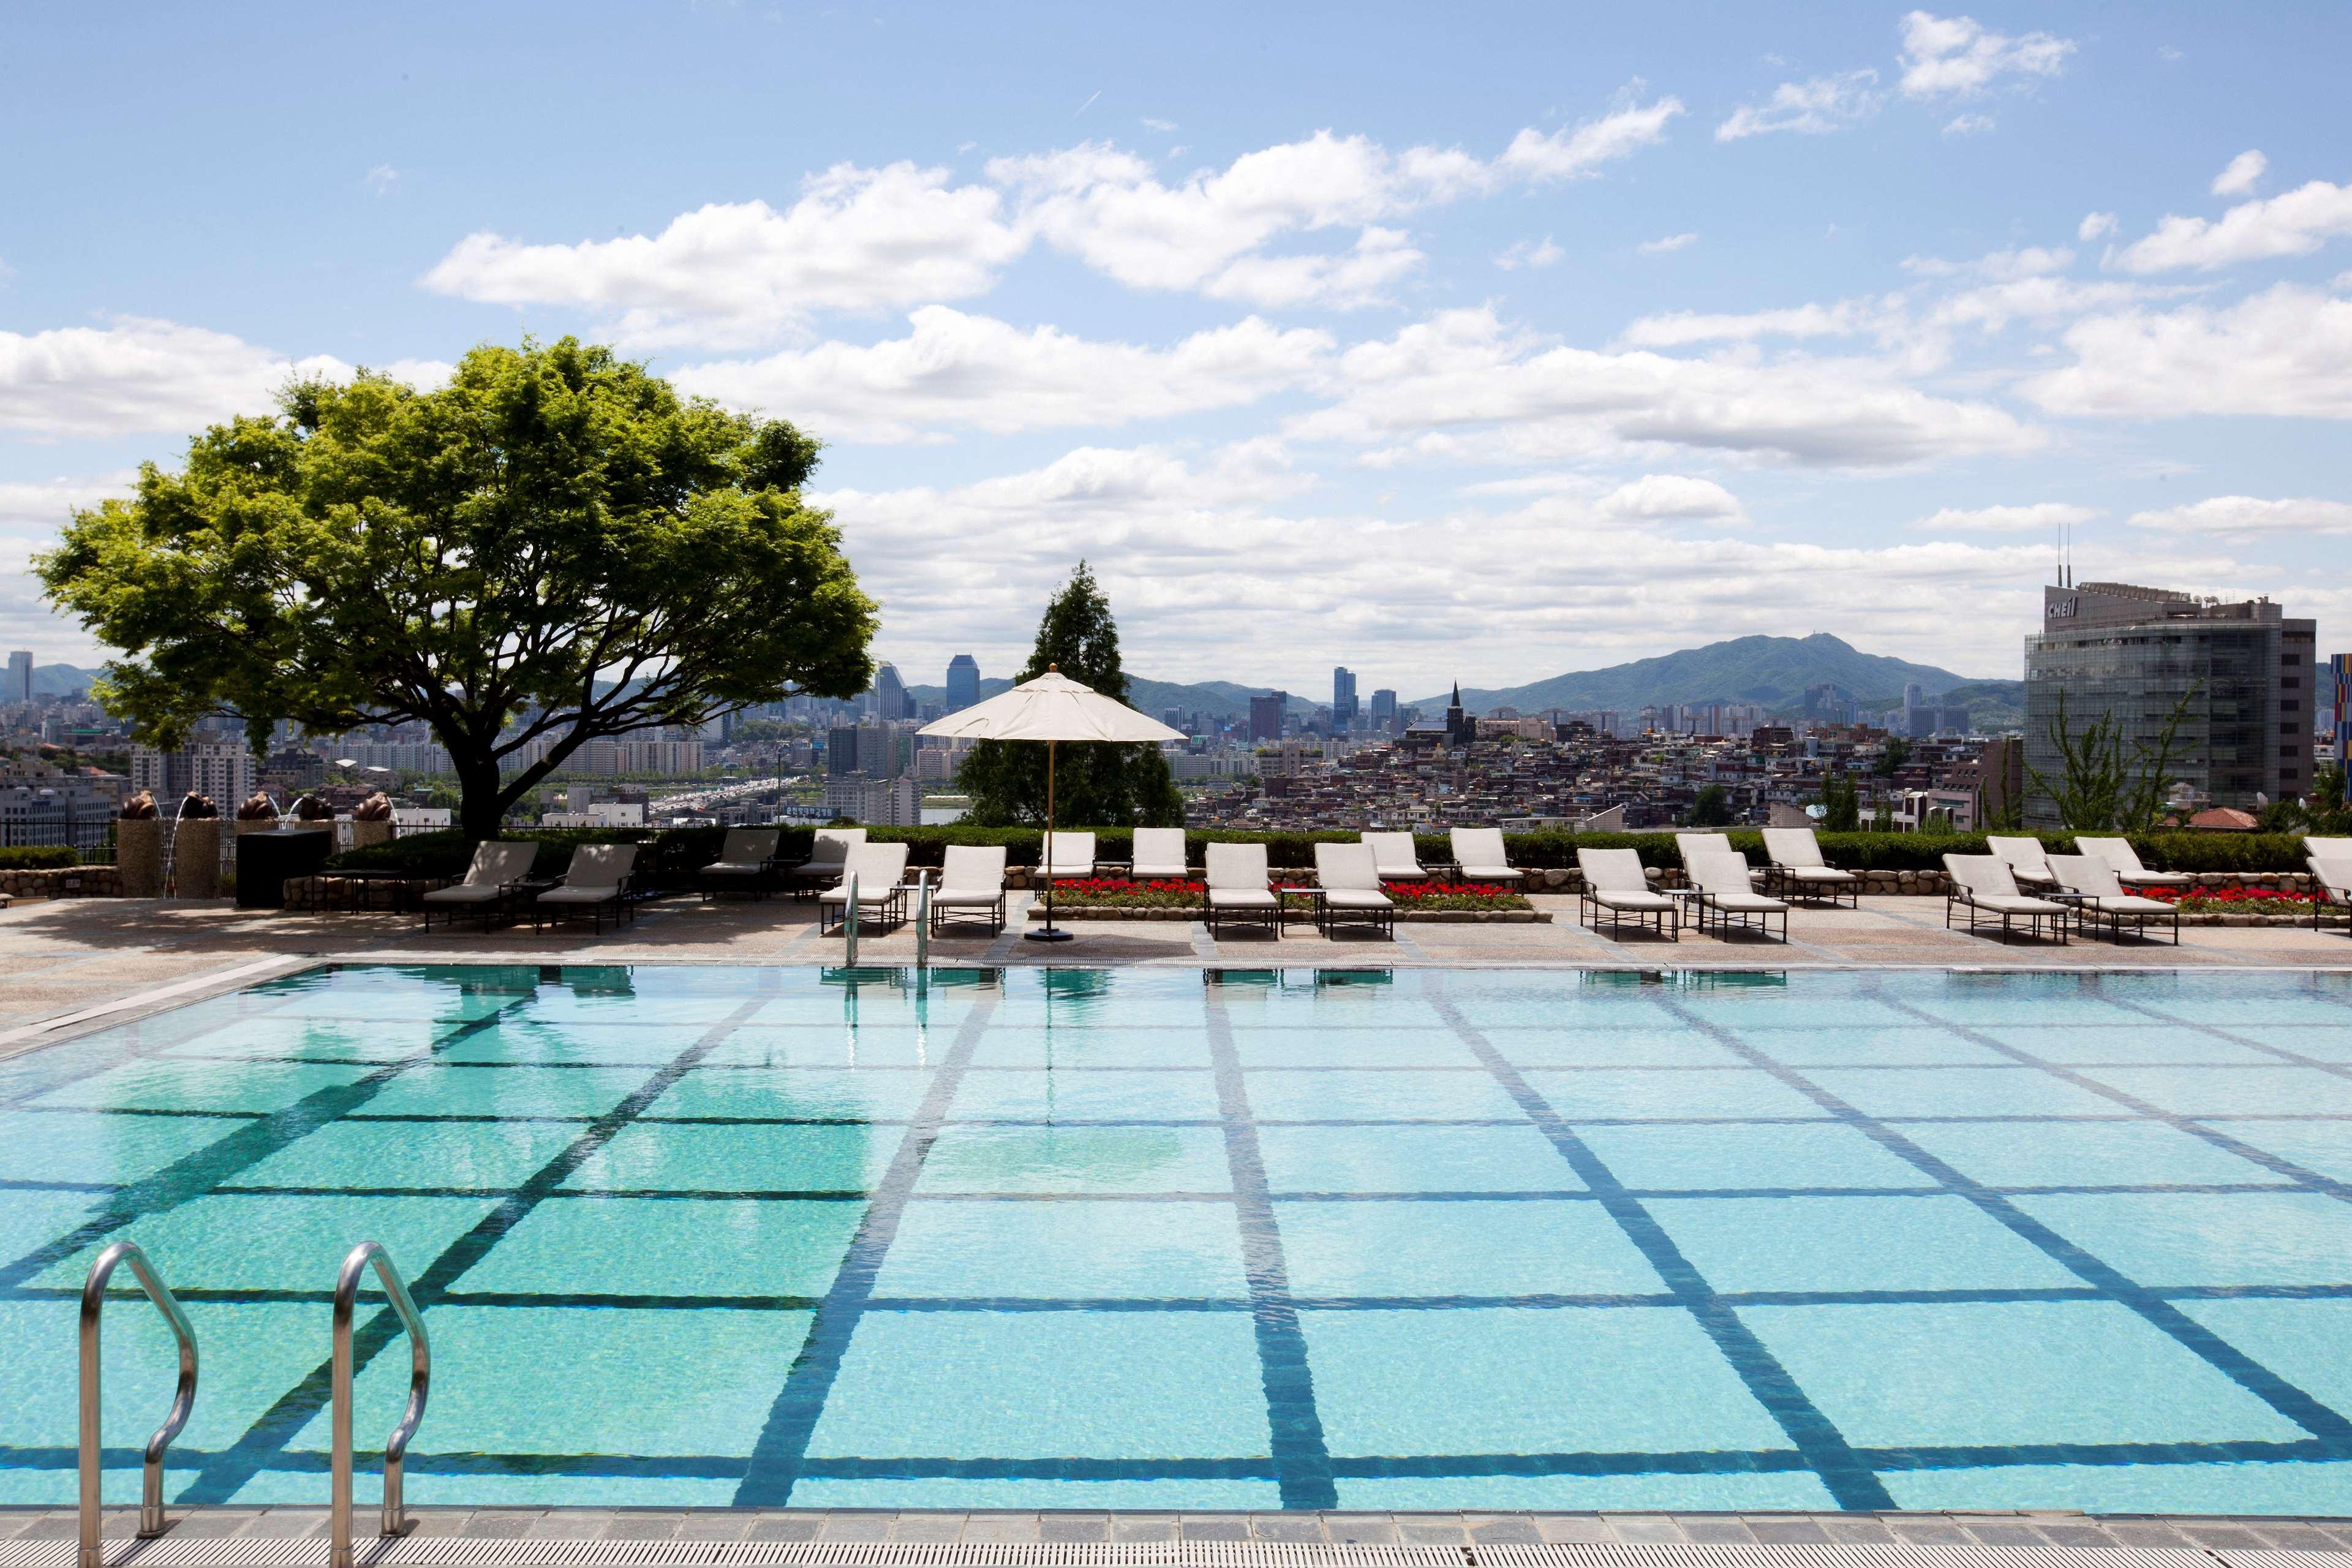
479, 811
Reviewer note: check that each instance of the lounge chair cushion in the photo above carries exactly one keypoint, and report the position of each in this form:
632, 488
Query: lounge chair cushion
965, 898
1609, 900
1816, 874
1243, 898
1746, 903
2013, 904
592, 895
2128, 904
733, 868
462, 893
1489, 874
1356, 899
1143, 873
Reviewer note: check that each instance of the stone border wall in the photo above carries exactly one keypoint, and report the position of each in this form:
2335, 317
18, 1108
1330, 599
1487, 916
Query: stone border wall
62, 882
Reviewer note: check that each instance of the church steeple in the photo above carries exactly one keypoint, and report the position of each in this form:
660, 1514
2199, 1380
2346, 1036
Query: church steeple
1458, 726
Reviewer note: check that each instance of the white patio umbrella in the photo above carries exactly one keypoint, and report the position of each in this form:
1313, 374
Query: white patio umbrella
1052, 709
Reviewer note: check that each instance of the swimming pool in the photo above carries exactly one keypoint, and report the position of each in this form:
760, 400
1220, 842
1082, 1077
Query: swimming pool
1164, 1239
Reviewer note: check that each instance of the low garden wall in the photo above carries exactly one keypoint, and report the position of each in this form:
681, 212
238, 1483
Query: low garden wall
61, 882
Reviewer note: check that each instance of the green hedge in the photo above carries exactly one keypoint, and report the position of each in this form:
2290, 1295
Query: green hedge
37, 857
674, 854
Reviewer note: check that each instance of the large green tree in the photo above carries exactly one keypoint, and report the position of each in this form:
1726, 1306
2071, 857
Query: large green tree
1094, 785
2108, 783
552, 547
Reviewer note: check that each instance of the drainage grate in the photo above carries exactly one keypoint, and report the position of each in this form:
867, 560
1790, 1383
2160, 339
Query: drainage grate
446, 1552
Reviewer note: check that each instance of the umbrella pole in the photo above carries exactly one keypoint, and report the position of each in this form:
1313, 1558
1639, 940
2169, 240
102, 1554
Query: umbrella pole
1049, 933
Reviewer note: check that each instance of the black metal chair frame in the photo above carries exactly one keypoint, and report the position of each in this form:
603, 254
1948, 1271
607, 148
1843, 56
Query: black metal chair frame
887, 908
621, 904
1329, 917
506, 906
1954, 898
1782, 883
759, 883
1269, 917
1667, 923
1759, 920
989, 915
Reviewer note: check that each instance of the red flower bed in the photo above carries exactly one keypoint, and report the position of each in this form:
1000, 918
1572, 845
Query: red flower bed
2219, 901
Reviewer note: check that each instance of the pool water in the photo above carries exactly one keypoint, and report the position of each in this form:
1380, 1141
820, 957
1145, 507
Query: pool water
1161, 1239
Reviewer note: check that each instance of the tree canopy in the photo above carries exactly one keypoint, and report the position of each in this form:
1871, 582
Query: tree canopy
552, 547
1094, 785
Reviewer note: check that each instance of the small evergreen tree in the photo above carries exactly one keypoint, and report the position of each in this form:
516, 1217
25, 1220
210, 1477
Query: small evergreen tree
1841, 805
2101, 787
1712, 808
1094, 785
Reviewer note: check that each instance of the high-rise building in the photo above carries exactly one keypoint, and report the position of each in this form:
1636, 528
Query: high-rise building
2243, 678
1384, 709
963, 682
2339, 672
1343, 698
890, 694
1265, 715
20, 675
841, 749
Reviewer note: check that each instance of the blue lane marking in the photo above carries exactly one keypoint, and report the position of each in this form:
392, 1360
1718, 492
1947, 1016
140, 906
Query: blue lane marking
1824, 1448
267, 1436
1302, 1460
2256, 1379
780, 1455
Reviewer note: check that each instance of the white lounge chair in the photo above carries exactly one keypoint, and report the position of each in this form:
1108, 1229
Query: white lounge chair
1396, 857
2331, 884
1795, 868
1350, 875
827, 855
1239, 886
881, 873
1159, 856
971, 888
2089, 884
1069, 855
2027, 858
1982, 884
2326, 848
1690, 844
1479, 855
489, 888
597, 884
2118, 853
746, 863
1613, 881
1726, 890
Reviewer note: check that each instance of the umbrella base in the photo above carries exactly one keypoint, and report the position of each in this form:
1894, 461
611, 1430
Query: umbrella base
1048, 934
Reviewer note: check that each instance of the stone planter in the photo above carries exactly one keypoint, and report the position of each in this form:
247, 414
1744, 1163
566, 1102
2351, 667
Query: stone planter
139, 856
367, 833
195, 858
245, 824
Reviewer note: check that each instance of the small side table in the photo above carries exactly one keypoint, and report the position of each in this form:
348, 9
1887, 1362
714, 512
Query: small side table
1314, 907
1687, 899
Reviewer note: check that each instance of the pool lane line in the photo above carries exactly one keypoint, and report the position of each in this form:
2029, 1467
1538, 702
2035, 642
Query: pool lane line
220, 1479
196, 1174
2298, 1058
1849, 1479
2287, 1398
1302, 1459
2309, 1180
779, 1454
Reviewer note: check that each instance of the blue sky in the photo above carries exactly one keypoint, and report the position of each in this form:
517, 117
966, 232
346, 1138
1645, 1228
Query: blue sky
1489, 341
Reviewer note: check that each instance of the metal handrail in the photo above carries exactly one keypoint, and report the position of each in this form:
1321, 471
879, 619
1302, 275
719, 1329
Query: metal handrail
849, 922
922, 922
395, 1448
93, 1306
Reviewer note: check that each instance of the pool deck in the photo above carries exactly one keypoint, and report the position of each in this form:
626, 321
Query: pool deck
488, 1538
74, 962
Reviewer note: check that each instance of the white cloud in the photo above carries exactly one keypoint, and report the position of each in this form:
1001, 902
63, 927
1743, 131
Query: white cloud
2236, 519
954, 370
1673, 498
857, 240
137, 375
41, 506
2041, 517
1152, 125
2241, 176
1814, 108
2284, 351
1579, 153
1529, 253
1967, 125
1947, 55
1668, 242
2293, 224
2035, 299
1462, 385
1675, 329
2025, 261
381, 179
2095, 225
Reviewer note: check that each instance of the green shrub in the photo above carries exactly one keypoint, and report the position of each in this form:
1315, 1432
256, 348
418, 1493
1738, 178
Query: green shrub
37, 857
2182, 851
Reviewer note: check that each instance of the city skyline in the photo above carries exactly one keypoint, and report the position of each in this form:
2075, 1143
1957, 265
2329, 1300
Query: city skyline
1615, 338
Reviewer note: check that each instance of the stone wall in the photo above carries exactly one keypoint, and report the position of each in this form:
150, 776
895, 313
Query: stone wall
63, 882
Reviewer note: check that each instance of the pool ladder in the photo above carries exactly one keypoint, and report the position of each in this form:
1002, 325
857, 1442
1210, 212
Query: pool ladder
356, 1264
